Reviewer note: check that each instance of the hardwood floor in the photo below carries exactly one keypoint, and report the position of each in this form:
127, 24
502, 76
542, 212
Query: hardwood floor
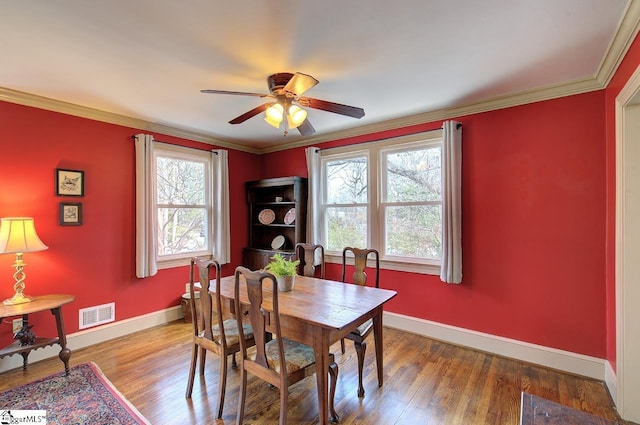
426, 382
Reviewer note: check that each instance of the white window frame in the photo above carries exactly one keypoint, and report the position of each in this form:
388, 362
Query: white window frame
188, 154
375, 211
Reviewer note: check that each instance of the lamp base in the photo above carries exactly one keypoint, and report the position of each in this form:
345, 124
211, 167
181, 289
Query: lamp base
18, 298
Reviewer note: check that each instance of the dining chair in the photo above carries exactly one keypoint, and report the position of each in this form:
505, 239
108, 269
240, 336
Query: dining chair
359, 277
222, 340
311, 257
279, 361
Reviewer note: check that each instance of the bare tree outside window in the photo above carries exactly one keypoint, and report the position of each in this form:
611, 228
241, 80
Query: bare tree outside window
399, 213
182, 211
346, 203
412, 202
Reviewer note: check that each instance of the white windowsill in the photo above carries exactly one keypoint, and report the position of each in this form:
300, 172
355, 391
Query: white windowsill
401, 266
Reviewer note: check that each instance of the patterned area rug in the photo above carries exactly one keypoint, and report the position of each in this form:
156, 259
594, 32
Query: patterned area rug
86, 396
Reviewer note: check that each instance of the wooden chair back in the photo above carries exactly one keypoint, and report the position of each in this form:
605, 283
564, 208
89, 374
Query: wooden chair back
279, 369
359, 335
210, 306
258, 320
311, 257
360, 257
210, 331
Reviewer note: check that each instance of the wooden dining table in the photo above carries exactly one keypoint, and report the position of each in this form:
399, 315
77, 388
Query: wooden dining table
320, 312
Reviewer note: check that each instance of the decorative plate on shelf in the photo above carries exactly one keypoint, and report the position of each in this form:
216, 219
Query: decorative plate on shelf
266, 216
290, 216
278, 242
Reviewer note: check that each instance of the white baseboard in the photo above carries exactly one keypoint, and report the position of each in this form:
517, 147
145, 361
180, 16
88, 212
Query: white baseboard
550, 357
87, 337
579, 364
611, 381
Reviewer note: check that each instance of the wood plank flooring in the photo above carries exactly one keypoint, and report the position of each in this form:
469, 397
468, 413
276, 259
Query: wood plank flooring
426, 382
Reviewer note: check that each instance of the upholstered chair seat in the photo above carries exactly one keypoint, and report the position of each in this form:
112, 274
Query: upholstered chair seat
230, 332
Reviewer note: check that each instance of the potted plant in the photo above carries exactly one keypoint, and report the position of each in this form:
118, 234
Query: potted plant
284, 270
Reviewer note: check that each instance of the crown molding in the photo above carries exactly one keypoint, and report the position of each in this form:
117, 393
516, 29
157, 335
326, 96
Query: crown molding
624, 36
28, 99
627, 30
508, 101
501, 102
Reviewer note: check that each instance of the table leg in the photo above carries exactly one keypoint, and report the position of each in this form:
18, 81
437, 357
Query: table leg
25, 360
321, 351
65, 353
377, 335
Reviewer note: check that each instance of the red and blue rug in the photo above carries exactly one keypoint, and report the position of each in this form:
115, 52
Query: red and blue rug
86, 396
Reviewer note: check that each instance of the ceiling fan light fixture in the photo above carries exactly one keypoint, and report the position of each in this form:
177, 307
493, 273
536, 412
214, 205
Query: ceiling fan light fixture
272, 122
296, 116
275, 112
274, 115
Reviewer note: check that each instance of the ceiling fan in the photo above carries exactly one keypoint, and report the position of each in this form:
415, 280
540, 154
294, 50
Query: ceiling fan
286, 90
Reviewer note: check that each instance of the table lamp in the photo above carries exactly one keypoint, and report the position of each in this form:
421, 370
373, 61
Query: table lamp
17, 236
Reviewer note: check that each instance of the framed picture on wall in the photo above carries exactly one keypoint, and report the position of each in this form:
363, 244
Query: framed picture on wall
69, 182
70, 214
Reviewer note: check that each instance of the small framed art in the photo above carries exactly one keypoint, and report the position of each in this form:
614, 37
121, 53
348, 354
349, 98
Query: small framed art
69, 182
70, 214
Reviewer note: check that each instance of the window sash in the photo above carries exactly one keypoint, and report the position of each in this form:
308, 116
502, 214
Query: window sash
429, 244
376, 232
190, 155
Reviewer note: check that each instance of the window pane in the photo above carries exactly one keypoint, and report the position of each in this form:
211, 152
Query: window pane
180, 182
181, 230
413, 175
347, 181
414, 231
346, 226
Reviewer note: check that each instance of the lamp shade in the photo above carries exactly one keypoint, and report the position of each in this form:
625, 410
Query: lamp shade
18, 234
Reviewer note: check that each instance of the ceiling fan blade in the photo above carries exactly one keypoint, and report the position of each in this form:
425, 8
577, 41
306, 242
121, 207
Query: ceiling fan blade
299, 84
306, 129
249, 114
336, 108
239, 93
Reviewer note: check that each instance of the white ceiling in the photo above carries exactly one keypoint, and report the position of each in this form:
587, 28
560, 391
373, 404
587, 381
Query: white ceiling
149, 59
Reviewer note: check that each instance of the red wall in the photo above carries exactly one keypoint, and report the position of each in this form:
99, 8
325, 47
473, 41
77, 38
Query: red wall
538, 220
533, 226
95, 261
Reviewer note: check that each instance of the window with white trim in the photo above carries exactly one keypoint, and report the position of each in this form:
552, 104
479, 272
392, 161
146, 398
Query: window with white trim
385, 195
183, 202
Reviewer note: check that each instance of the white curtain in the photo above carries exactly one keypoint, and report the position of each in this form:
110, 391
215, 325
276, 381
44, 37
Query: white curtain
314, 194
451, 271
220, 211
146, 220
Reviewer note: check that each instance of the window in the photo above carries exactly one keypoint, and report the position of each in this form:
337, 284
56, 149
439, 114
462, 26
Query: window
346, 202
176, 191
386, 196
411, 204
182, 202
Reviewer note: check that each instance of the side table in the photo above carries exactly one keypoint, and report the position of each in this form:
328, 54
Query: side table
53, 303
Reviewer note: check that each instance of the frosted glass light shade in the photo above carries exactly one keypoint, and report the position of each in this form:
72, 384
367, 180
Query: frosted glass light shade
274, 115
275, 112
296, 116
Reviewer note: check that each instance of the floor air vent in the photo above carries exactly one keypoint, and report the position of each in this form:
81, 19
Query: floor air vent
93, 316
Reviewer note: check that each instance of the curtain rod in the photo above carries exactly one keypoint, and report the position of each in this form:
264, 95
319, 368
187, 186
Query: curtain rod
384, 138
133, 137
